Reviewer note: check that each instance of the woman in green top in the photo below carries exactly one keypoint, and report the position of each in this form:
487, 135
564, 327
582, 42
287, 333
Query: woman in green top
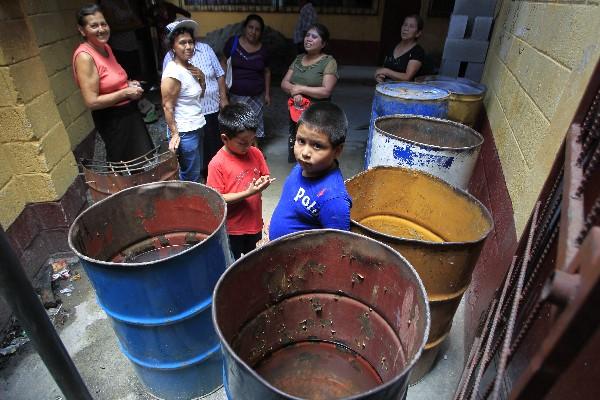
312, 75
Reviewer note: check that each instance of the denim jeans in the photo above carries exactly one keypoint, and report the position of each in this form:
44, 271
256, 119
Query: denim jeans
190, 155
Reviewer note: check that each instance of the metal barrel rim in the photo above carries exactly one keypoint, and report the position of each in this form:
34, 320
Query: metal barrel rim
460, 79
125, 192
464, 127
441, 94
417, 242
231, 353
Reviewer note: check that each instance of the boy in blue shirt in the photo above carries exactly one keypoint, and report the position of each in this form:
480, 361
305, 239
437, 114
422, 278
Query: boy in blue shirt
314, 195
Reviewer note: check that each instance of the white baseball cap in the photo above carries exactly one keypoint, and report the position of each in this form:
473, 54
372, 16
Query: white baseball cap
182, 23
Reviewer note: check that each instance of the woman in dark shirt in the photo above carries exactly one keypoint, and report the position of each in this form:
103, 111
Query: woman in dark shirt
250, 66
407, 57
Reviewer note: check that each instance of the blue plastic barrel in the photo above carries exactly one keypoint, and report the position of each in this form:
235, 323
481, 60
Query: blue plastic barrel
154, 253
406, 98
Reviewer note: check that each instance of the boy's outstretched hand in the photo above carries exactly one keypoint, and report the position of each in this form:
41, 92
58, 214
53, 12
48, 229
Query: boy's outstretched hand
260, 184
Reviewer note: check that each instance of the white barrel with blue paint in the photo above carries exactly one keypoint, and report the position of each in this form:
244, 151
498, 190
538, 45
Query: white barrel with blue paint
443, 148
406, 98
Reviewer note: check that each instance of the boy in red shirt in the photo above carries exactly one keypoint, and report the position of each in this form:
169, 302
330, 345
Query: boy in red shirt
240, 173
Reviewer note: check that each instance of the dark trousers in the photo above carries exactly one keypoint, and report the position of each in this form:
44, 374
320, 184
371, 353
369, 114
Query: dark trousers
243, 244
212, 140
123, 131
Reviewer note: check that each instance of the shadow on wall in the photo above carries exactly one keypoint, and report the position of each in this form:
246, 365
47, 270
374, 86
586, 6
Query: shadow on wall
281, 49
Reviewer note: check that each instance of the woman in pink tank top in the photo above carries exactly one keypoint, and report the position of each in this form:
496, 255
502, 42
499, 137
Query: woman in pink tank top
106, 90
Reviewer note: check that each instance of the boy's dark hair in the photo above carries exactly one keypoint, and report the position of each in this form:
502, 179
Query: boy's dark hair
236, 118
84, 11
327, 118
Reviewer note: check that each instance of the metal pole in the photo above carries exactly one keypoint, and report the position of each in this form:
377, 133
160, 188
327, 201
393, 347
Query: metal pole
19, 294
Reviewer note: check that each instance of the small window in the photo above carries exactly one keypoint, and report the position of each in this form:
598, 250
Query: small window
364, 7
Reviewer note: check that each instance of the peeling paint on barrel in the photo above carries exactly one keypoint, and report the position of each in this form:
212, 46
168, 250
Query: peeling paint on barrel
406, 154
443, 148
405, 98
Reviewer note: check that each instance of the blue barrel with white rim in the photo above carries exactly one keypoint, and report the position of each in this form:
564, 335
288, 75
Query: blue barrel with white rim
406, 98
440, 147
153, 254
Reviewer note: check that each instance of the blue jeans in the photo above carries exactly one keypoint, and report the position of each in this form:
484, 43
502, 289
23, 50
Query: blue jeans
190, 155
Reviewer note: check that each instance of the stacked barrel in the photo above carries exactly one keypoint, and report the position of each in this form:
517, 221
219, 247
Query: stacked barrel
420, 156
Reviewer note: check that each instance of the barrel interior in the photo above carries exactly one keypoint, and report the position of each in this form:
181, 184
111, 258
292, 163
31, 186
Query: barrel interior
148, 222
429, 131
410, 204
323, 315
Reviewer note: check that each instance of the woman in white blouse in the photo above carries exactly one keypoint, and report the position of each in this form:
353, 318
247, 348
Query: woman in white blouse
182, 86
215, 95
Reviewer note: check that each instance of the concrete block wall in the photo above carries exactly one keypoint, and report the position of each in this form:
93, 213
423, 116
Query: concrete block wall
540, 60
36, 159
55, 31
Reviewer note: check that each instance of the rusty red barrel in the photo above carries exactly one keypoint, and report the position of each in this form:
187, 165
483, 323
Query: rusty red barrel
154, 253
321, 314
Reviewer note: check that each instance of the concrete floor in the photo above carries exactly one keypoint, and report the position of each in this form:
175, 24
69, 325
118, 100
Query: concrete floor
87, 333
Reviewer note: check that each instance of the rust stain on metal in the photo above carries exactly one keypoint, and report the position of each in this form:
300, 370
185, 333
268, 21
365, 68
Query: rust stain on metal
106, 178
317, 306
440, 230
365, 325
357, 278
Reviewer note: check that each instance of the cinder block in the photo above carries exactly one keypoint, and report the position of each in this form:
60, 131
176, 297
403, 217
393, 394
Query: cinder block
49, 186
52, 57
457, 26
8, 93
41, 187
474, 71
6, 170
465, 50
68, 26
42, 114
41, 23
29, 79
528, 65
70, 4
71, 108
80, 129
569, 34
514, 165
475, 7
27, 157
18, 42
76, 105
33, 7
450, 68
64, 174
529, 125
11, 10
481, 28
55, 144
14, 124
65, 115
11, 202
62, 84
